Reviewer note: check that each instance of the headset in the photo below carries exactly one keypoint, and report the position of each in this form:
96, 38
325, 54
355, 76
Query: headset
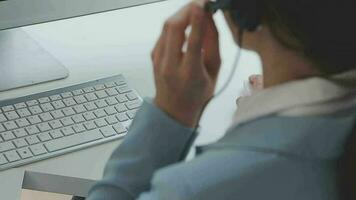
246, 13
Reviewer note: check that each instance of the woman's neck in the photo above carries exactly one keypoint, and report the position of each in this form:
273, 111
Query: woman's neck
281, 64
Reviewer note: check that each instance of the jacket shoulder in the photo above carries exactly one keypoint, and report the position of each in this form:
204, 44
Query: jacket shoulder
231, 174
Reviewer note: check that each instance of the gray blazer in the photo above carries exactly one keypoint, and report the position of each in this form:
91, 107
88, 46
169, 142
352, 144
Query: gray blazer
271, 158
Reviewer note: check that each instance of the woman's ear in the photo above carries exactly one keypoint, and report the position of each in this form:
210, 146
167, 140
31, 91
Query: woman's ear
250, 38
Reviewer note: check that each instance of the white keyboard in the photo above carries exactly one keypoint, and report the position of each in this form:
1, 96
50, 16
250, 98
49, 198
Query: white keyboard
52, 123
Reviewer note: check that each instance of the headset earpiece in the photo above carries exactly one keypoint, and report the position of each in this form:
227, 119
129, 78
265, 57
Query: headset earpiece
246, 13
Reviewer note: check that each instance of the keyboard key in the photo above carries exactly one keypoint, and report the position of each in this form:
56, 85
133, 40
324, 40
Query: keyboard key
20, 133
91, 97
123, 89
119, 128
73, 140
67, 121
110, 85
47, 107
111, 101
58, 104
131, 113
89, 116
89, 89
68, 111
32, 139
32, 130
67, 131
25, 153
101, 103
120, 108
2, 118
99, 87
132, 96
57, 114
12, 156
10, 125
108, 131
78, 128
78, 118
79, 109
22, 122
2, 128
38, 149
44, 136
80, 99
46, 117
101, 122
112, 92
66, 95
111, 120
20, 143
69, 102
90, 106
133, 104
7, 135
35, 110
5, 146
24, 112
122, 117
44, 127
122, 98
110, 110
3, 160
32, 103
56, 134
100, 113
55, 124
34, 119
89, 125
120, 82
8, 108
78, 92
11, 115
44, 100
20, 105
55, 97
101, 94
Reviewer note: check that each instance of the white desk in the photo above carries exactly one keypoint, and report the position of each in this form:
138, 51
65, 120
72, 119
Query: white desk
112, 43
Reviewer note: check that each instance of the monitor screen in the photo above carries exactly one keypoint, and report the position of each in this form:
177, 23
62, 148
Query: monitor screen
17, 13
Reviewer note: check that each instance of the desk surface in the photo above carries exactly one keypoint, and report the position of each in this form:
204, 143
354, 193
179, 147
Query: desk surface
119, 42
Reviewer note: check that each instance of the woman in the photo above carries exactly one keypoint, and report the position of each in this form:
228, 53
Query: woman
286, 140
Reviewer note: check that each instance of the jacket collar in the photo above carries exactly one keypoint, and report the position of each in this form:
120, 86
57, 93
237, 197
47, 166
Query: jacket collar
294, 95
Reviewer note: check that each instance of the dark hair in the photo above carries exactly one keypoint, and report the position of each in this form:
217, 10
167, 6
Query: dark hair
320, 30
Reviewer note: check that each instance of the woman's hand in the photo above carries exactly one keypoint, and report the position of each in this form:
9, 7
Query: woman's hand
186, 80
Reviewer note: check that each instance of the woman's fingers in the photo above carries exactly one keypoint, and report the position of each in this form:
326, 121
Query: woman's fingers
211, 47
175, 29
202, 42
196, 37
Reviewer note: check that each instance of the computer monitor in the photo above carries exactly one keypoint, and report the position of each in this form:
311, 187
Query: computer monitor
24, 62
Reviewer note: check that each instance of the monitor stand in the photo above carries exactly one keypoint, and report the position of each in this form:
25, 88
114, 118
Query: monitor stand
24, 62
